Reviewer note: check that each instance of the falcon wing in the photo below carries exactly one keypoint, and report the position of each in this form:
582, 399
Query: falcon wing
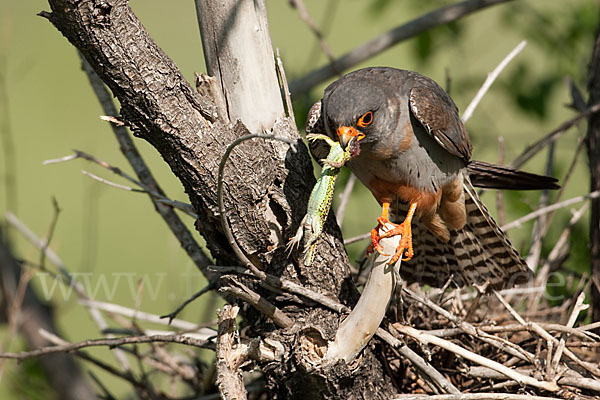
438, 114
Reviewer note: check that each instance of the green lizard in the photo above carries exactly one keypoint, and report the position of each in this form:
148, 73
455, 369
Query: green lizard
321, 196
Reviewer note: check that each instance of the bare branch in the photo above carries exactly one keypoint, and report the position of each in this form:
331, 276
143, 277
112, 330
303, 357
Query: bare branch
532, 326
285, 87
148, 317
64, 272
111, 342
358, 328
110, 183
490, 80
466, 327
241, 291
474, 396
157, 196
130, 151
579, 307
557, 251
534, 148
476, 358
544, 210
429, 373
199, 293
357, 238
571, 378
303, 12
373, 47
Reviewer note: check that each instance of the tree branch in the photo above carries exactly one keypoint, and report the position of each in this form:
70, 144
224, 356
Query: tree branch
267, 185
111, 342
373, 47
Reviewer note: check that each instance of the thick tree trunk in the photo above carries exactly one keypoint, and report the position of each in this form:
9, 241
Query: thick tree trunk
266, 188
593, 143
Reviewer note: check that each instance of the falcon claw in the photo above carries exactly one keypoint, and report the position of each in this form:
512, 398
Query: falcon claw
404, 248
375, 246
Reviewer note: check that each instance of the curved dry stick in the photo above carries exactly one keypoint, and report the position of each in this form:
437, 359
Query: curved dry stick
224, 223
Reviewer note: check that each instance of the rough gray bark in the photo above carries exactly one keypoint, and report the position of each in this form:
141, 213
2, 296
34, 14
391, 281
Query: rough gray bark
593, 145
62, 373
266, 190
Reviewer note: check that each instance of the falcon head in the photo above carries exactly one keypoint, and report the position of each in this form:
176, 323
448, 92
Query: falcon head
356, 107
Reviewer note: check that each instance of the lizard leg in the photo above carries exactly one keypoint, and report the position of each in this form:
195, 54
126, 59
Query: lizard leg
319, 136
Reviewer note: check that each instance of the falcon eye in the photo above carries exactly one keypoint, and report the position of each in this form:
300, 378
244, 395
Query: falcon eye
365, 120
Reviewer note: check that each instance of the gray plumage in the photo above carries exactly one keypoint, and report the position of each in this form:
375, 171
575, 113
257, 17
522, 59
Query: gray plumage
417, 142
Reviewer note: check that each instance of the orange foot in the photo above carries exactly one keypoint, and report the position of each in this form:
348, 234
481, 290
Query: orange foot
404, 229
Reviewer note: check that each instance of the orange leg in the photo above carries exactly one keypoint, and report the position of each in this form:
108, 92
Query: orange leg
403, 229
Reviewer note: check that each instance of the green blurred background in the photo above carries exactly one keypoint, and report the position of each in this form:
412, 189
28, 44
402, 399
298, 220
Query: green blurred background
48, 109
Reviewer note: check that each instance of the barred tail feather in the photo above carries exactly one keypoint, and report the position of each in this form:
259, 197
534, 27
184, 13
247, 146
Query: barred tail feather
477, 253
486, 249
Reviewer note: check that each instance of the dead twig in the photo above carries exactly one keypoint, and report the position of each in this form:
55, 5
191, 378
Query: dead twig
357, 238
466, 327
305, 16
118, 309
185, 207
65, 274
558, 250
490, 80
111, 342
425, 338
545, 210
429, 373
579, 307
284, 86
199, 293
534, 327
570, 379
237, 289
536, 147
474, 396
375, 46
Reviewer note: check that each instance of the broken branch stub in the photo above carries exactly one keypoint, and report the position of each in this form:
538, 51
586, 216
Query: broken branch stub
361, 324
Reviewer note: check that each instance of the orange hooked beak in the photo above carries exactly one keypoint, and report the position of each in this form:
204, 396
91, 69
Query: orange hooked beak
347, 133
